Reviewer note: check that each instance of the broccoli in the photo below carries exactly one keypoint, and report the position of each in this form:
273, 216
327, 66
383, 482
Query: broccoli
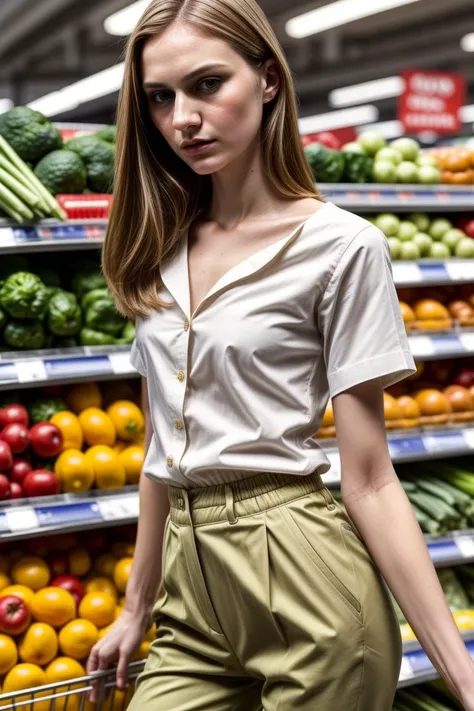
62, 172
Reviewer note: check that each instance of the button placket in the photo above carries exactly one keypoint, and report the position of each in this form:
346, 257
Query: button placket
182, 351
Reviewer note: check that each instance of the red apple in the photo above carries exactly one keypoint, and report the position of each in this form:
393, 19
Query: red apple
6, 459
16, 490
20, 468
15, 435
58, 563
14, 615
465, 377
46, 439
14, 413
5, 490
41, 482
72, 584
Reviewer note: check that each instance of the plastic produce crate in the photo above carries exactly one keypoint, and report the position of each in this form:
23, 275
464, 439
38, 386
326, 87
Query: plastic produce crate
85, 207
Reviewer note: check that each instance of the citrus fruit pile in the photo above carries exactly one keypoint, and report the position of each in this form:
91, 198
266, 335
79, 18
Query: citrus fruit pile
57, 598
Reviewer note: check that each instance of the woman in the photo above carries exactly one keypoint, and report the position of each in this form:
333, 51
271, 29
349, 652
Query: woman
254, 301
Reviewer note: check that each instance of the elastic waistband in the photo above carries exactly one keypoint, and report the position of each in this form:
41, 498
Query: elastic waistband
241, 497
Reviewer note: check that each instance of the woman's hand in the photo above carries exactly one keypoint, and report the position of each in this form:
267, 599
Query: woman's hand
119, 644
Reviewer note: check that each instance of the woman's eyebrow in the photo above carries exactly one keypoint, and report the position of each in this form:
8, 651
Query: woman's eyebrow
192, 75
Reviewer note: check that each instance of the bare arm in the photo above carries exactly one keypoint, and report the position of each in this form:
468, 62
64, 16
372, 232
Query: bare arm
379, 507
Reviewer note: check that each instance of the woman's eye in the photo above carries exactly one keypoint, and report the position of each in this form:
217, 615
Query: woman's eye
209, 85
214, 81
158, 96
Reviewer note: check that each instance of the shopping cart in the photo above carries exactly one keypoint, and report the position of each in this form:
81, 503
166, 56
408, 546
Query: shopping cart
72, 695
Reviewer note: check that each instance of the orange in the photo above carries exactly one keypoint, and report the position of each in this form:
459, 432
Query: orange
127, 418
122, 600
120, 446
105, 564
65, 669
122, 573
102, 585
8, 654
132, 459
32, 572
22, 591
77, 638
142, 651
79, 562
108, 469
70, 428
118, 611
39, 644
25, 676
98, 608
75, 471
4, 581
151, 633
84, 395
55, 606
97, 427
123, 550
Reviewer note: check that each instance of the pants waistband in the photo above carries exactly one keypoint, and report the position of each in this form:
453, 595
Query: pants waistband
242, 497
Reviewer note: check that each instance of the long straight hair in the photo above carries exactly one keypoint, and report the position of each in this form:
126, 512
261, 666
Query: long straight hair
156, 194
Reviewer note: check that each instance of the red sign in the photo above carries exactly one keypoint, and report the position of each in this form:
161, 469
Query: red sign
431, 101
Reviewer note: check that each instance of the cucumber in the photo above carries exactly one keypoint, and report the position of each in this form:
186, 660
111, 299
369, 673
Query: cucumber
408, 485
431, 487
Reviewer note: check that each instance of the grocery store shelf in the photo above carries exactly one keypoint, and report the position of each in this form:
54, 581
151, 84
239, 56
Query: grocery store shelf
433, 272
417, 445
51, 235
67, 512
64, 365
454, 548
452, 344
416, 667
373, 197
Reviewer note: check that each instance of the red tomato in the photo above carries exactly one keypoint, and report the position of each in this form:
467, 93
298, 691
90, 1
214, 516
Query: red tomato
20, 468
14, 413
328, 139
41, 482
46, 439
16, 490
14, 615
469, 228
58, 563
71, 584
5, 490
6, 459
16, 435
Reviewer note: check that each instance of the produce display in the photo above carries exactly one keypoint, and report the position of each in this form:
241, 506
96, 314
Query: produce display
45, 305
456, 164
437, 308
70, 440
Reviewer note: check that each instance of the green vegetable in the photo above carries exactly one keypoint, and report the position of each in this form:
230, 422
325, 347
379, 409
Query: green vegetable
29, 133
427, 524
25, 335
51, 291
128, 333
108, 134
62, 172
98, 157
42, 409
357, 168
327, 165
86, 280
103, 316
64, 314
436, 509
92, 296
23, 295
89, 337
453, 590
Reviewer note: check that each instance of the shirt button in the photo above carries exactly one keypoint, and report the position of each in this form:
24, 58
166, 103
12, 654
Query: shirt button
180, 376
169, 461
186, 324
178, 424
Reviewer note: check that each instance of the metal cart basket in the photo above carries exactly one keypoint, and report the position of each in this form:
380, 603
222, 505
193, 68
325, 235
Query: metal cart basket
72, 695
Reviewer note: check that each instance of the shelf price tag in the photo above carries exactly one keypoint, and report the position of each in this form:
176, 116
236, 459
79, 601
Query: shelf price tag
22, 519
118, 507
467, 340
29, 371
7, 237
406, 273
8, 372
461, 271
63, 514
444, 551
120, 363
468, 435
406, 672
465, 545
447, 344
445, 441
57, 368
406, 446
421, 346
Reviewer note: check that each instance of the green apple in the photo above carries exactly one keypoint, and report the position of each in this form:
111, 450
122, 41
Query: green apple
429, 175
409, 250
423, 242
438, 250
406, 231
452, 237
384, 171
390, 154
388, 223
408, 147
395, 247
407, 172
371, 142
421, 220
427, 159
465, 248
439, 227
352, 147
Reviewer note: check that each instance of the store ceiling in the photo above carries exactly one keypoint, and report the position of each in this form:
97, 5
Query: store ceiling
48, 44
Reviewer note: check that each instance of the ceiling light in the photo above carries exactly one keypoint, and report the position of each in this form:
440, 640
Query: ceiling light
466, 113
336, 14
5, 105
387, 129
123, 22
367, 91
467, 42
338, 119
93, 87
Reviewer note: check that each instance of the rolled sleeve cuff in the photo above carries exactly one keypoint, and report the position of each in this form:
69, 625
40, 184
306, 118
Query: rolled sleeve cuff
391, 367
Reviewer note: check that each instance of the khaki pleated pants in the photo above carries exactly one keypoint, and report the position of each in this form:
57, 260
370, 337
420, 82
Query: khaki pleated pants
269, 601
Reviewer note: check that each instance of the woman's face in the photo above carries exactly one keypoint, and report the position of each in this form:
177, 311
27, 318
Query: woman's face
199, 88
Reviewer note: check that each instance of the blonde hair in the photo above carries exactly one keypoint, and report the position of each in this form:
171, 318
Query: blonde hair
156, 195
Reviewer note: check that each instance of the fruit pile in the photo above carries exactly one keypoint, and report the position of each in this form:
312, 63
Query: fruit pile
402, 161
437, 308
85, 437
419, 236
456, 163
58, 596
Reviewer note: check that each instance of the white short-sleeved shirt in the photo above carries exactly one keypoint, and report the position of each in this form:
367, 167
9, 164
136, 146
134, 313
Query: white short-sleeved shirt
241, 385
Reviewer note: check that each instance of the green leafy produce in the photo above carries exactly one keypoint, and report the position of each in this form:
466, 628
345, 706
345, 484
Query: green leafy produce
98, 156
62, 172
3, 318
29, 133
90, 337
24, 335
128, 333
108, 134
357, 167
42, 409
92, 296
103, 316
86, 280
64, 314
453, 590
326, 164
23, 295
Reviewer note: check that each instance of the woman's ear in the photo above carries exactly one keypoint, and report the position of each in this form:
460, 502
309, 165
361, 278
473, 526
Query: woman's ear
271, 80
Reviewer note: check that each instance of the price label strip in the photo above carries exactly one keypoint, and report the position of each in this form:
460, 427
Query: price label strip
120, 363
444, 551
419, 662
77, 367
406, 273
406, 672
421, 346
433, 272
465, 545
64, 514
21, 519
447, 344
30, 371
406, 446
445, 442
8, 373
119, 507
7, 237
